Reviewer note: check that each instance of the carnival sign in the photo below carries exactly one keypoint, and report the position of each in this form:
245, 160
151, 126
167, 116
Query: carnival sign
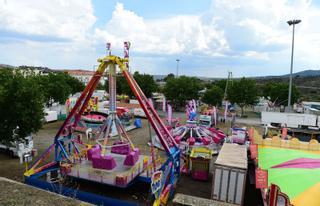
261, 178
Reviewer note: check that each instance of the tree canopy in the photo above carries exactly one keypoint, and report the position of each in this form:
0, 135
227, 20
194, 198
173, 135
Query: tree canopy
21, 104
75, 84
243, 92
169, 76
58, 86
23, 96
145, 81
213, 96
222, 83
278, 93
179, 90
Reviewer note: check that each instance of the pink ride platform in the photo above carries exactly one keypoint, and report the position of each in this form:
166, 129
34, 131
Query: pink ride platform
117, 168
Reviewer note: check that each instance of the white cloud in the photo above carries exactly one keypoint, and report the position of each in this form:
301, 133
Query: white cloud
186, 34
64, 19
55, 55
259, 25
265, 33
265, 22
257, 55
68, 23
240, 34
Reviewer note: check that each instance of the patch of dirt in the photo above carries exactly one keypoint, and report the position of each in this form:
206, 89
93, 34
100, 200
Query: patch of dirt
14, 193
11, 167
188, 186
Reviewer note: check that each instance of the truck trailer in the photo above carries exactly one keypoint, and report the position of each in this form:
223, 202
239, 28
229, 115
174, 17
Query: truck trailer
292, 120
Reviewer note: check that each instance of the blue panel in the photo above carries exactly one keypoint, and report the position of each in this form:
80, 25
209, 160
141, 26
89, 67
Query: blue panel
137, 123
144, 179
39, 174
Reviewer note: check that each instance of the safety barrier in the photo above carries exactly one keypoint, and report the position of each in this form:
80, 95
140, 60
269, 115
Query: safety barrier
276, 141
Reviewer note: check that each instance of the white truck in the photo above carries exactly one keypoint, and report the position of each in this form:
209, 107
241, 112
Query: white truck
18, 148
293, 120
311, 107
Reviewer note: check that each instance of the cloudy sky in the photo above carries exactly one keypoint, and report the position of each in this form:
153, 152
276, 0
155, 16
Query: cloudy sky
247, 37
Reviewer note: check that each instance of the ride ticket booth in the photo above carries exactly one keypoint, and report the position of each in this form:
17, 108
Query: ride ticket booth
200, 158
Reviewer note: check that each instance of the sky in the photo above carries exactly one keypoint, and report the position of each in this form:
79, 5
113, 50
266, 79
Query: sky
209, 37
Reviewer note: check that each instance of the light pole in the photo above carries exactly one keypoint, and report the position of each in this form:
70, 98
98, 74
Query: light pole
293, 23
177, 67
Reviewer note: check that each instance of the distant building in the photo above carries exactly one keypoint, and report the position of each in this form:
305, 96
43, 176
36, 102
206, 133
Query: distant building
27, 70
83, 75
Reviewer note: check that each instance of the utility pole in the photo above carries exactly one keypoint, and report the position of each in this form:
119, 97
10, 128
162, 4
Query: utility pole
291, 22
177, 75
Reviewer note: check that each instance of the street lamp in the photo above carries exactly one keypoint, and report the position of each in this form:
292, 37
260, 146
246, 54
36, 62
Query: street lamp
291, 22
177, 67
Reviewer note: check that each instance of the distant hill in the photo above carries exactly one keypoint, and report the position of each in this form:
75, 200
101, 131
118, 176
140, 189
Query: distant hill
6, 66
306, 73
157, 77
307, 82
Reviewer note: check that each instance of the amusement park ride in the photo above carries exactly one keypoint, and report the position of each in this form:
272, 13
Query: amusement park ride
196, 132
118, 163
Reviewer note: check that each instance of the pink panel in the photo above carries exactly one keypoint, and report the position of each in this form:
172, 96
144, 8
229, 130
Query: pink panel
306, 163
132, 158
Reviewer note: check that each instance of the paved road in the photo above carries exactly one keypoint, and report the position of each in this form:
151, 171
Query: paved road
251, 121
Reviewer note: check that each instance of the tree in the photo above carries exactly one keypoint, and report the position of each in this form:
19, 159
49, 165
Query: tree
213, 96
21, 104
23, 95
243, 92
57, 89
58, 86
75, 84
278, 92
169, 76
121, 84
145, 81
221, 83
179, 90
